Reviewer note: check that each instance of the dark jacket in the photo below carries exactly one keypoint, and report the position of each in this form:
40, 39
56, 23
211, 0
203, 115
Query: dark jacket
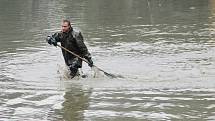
73, 41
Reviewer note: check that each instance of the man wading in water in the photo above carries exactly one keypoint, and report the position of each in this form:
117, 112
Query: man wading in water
73, 41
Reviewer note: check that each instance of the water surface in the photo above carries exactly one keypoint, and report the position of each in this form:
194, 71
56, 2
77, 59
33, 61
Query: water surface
163, 48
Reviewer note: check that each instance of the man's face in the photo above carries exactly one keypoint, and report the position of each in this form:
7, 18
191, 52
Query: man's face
65, 27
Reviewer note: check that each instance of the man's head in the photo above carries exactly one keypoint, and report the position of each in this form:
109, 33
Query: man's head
66, 26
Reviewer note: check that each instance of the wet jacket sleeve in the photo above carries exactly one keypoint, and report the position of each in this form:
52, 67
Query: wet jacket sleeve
80, 43
56, 36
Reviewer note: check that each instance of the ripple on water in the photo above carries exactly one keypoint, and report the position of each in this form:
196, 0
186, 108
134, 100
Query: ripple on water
150, 104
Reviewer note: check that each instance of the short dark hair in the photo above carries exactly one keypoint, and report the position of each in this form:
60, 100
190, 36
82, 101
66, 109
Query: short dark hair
67, 21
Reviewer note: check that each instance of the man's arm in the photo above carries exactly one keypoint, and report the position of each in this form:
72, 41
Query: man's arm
83, 49
81, 45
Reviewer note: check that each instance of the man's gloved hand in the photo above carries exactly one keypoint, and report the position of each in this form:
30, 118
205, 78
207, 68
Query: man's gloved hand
90, 62
51, 40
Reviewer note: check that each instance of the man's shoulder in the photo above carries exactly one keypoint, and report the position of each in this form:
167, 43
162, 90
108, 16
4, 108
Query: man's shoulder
76, 31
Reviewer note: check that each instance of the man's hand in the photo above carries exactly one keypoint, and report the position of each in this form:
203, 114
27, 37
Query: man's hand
51, 40
90, 62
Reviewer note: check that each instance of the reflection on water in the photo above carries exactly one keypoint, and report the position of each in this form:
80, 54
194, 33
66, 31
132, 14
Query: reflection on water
163, 48
76, 101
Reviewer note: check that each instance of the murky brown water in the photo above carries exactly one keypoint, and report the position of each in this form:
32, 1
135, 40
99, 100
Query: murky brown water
163, 48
